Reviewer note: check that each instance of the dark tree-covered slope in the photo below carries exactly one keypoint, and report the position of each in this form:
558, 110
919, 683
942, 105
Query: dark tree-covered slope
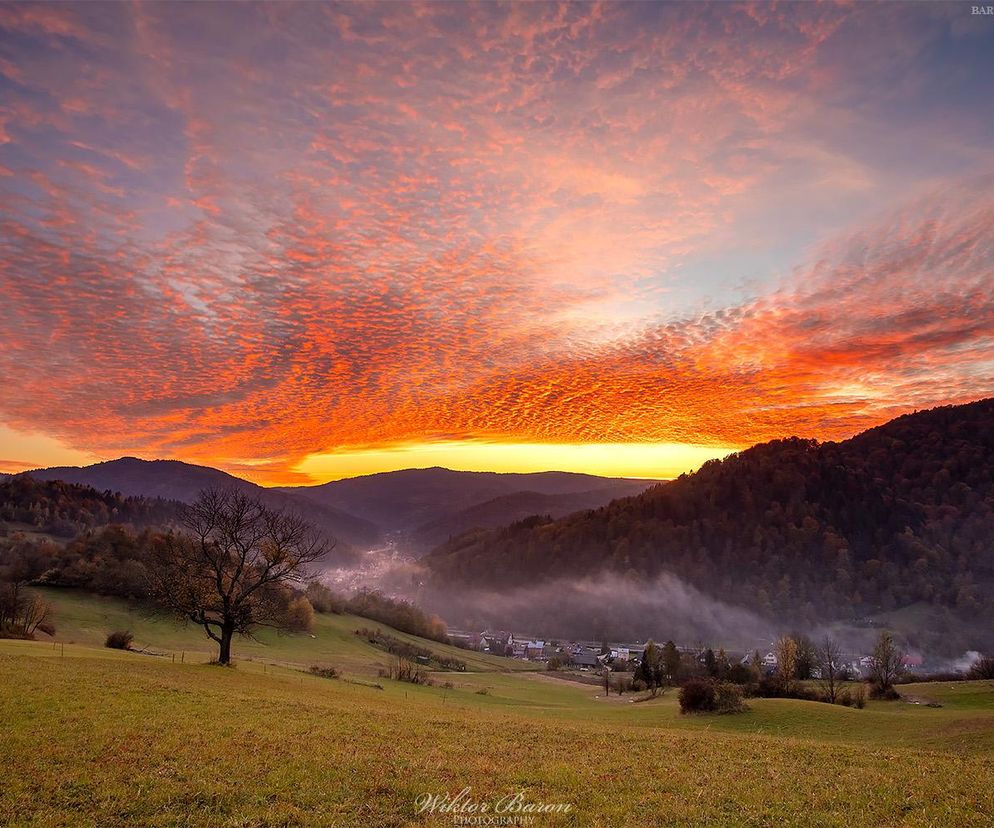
184, 481
64, 510
900, 514
506, 509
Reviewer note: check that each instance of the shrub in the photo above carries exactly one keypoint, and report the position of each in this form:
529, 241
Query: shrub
983, 668
883, 693
483, 691
728, 698
697, 696
859, 696
554, 664
119, 640
740, 674
324, 672
299, 614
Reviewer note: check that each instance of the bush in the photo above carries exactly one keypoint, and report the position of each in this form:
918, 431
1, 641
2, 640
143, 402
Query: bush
982, 669
299, 614
554, 664
883, 693
324, 672
119, 640
728, 698
697, 696
740, 674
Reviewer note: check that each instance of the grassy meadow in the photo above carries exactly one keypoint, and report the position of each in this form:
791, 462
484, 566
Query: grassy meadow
106, 738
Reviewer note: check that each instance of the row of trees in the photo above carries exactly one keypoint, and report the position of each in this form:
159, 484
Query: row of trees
798, 660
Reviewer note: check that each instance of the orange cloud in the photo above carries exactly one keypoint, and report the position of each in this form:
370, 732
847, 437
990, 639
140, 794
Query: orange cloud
330, 228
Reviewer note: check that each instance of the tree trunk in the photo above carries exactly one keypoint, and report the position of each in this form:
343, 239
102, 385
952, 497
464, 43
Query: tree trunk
224, 654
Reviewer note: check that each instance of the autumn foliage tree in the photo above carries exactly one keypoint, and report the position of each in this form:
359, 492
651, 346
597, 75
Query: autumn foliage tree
786, 652
230, 569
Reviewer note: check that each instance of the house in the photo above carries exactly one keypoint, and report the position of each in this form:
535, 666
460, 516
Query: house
585, 660
495, 642
912, 661
534, 649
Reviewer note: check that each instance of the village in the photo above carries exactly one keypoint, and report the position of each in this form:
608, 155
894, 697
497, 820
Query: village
620, 657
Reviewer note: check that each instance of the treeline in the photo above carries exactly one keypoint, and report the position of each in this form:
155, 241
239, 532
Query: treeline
399, 614
408, 651
792, 529
64, 510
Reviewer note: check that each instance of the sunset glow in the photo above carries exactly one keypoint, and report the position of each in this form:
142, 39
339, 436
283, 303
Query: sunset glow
305, 241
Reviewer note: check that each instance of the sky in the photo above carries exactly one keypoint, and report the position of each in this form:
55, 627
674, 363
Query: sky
300, 242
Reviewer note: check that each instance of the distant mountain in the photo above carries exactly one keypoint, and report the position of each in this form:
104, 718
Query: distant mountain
510, 508
174, 480
900, 515
410, 499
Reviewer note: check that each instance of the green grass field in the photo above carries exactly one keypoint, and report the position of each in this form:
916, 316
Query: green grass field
82, 618
106, 738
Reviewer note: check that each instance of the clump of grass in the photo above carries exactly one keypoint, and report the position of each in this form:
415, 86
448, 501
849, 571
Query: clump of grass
324, 672
119, 640
483, 691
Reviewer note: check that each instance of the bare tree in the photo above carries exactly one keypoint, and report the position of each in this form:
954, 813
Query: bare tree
885, 664
830, 666
22, 612
229, 571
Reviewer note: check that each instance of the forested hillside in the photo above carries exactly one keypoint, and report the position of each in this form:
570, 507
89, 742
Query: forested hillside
65, 534
64, 510
900, 514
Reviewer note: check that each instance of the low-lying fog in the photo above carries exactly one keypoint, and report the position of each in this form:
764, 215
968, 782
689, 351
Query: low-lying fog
614, 608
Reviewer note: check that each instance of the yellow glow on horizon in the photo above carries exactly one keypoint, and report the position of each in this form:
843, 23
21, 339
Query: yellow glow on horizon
21, 450
657, 461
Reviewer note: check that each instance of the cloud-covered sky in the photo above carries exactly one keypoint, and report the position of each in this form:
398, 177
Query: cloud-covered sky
302, 241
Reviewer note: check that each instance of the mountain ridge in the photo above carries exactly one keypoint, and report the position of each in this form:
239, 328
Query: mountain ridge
899, 514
